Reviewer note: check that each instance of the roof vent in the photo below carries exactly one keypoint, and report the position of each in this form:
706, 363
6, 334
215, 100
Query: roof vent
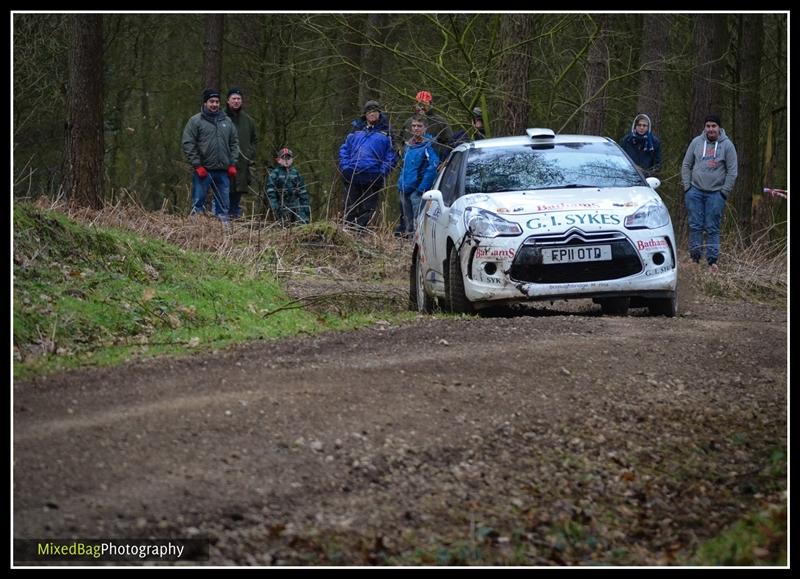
542, 138
541, 135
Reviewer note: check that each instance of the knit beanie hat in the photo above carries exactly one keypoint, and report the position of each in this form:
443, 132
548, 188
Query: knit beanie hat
712, 118
371, 106
210, 93
235, 90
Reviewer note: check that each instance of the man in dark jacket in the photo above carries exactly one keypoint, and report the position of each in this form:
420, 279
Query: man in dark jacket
642, 146
366, 158
211, 146
475, 134
248, 144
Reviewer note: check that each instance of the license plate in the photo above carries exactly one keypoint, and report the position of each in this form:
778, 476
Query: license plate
576, 254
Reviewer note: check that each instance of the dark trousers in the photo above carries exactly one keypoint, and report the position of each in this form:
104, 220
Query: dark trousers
361, 200
235, 209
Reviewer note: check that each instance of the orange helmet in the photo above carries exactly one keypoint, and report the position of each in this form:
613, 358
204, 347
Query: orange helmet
424, 96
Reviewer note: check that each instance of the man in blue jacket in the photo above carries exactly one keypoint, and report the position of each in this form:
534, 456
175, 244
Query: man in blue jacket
419, 170
366, 158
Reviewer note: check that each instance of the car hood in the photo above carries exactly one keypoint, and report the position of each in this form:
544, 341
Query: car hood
623, 200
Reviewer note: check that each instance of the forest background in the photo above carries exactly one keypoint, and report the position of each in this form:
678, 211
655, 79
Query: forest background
100, 100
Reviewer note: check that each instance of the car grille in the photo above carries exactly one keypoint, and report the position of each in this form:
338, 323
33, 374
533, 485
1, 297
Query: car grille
528, 266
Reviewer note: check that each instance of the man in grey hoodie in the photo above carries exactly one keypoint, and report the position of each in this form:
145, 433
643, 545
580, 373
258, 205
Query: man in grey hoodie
708, 173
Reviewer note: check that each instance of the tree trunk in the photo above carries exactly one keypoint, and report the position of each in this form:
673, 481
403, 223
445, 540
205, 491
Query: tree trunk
652, 58
345, 105
748, 125
707, 75
212, 51
369, 86
512, 76
83, 171
709, 46
597, 66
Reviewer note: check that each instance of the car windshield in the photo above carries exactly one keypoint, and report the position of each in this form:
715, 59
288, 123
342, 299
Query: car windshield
524, 168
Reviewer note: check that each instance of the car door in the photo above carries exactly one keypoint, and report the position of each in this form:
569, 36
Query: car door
436, 220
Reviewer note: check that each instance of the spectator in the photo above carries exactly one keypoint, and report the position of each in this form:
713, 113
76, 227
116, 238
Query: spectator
418, 172
475, 134
211, 146
286, 191
437, 127
248, 146
642, 146
708, 173
366, 158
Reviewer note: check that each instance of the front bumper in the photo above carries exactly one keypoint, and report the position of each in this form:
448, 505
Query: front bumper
505, 270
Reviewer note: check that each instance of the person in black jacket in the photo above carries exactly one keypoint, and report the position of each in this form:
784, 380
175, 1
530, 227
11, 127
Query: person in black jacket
248, 145
475, 134
642, 146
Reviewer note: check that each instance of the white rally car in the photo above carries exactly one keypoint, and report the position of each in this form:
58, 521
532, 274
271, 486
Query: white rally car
543, 217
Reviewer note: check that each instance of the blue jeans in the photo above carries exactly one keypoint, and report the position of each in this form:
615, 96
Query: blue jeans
410, 202
705, 210
220, 185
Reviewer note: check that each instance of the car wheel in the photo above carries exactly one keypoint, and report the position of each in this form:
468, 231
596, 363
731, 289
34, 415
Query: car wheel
419, 300
456, 298
664, 306
615, 306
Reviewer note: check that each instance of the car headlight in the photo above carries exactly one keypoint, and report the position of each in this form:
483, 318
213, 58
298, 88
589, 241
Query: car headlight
482, 223
651, 215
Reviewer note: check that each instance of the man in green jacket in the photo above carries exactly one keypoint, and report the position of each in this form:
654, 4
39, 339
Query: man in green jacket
211, 146
248, 143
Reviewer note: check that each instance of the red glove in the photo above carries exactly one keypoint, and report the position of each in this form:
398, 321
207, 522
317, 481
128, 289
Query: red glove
201, 172
231, 170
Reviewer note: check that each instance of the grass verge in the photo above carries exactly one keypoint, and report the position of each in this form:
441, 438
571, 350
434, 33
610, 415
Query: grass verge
88, 295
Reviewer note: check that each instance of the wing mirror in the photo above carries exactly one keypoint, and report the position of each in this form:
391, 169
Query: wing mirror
433, 195
654, 182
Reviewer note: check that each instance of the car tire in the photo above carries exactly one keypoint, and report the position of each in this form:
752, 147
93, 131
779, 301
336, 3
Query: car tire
418, 299
664, 306
615, 306
457, 301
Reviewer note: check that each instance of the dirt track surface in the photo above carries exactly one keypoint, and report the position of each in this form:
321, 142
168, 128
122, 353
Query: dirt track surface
559, 437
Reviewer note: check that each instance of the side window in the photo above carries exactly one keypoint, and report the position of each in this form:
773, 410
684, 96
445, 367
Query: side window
451, 179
